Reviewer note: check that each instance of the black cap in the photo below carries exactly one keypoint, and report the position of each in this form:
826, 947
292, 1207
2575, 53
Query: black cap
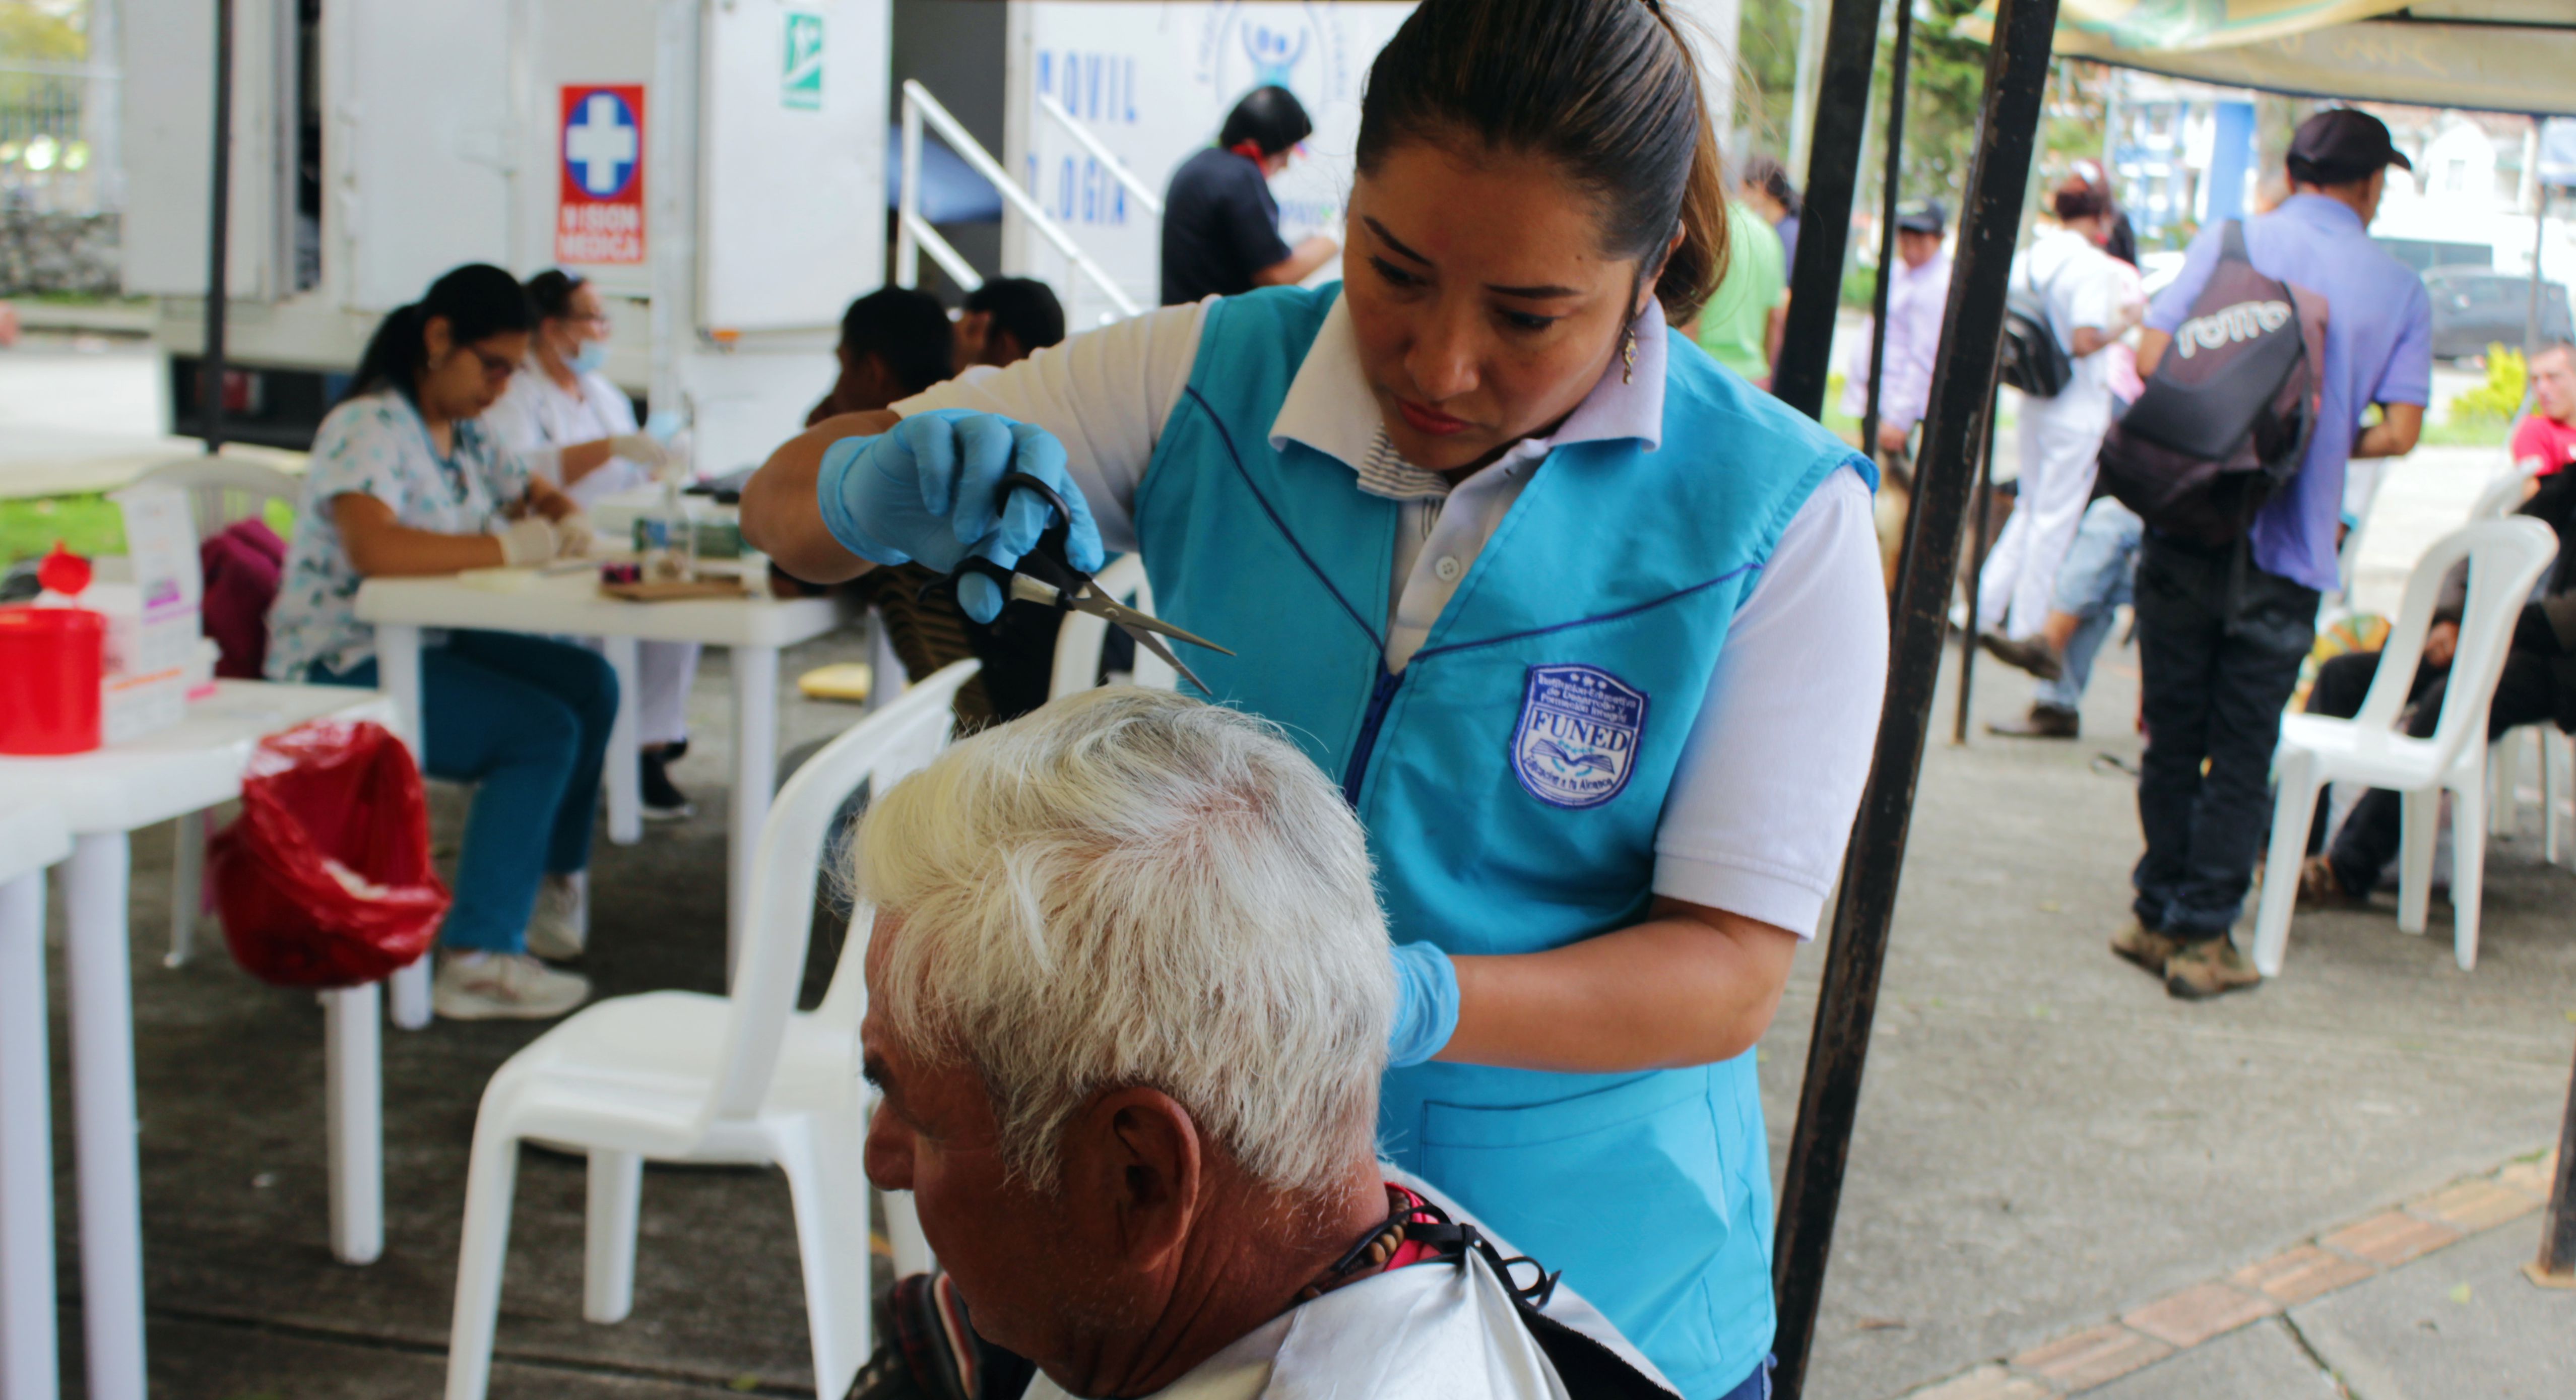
2342, 144
1922, 216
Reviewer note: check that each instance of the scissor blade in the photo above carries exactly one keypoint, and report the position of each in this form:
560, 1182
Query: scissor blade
1092, 601
1154, 644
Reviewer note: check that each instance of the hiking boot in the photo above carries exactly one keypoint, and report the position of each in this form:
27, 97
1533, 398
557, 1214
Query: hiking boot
2145, 947
662, 801
514, 986
2043, 722
2209, 968
559, 928
2027, 653
2321, 888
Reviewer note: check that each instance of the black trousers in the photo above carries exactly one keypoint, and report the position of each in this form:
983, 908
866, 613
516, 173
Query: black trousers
2526, 693
2219, 645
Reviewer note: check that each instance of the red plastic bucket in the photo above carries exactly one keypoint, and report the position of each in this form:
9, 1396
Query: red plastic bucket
50, 663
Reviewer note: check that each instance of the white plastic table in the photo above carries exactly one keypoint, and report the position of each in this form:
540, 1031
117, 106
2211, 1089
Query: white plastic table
753, 629
31, 838
104, 796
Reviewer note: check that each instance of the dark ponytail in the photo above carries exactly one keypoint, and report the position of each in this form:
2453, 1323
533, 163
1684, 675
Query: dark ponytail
1606, 89
1767, 175
551, 292
478, 300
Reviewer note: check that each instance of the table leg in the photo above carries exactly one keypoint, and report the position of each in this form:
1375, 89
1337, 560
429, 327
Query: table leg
755, 772
624, 778
29, 1369
353, 1098
398, 673
411, 992
99, 981
187, 887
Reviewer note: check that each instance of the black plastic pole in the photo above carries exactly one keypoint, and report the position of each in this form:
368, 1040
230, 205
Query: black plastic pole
1981, 525
1890, 190
1824, 220
2557, 1262
1962, 400
210, 381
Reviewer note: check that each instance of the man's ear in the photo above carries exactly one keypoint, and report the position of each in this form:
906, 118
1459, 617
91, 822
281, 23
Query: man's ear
1137, 1168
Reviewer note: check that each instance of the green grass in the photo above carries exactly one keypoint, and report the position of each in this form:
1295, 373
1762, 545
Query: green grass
89, 525
2471, 432
82, 299
86, 524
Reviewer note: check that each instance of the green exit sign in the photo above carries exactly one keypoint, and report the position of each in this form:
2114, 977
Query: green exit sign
801, 80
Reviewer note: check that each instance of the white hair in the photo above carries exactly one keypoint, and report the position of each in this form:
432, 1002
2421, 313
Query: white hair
1132, 888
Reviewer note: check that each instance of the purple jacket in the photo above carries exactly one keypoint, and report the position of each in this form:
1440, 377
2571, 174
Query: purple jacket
242, 564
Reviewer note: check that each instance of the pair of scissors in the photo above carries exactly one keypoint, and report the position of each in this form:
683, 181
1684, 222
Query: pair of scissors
1046, 577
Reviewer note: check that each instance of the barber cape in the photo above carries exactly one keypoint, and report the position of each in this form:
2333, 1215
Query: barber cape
1435, 1329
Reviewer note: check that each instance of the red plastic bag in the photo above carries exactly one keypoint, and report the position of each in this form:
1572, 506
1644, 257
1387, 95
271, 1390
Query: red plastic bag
325, 880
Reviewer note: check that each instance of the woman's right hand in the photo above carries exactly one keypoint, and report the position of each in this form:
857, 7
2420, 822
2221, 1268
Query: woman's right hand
929, 489
528, 542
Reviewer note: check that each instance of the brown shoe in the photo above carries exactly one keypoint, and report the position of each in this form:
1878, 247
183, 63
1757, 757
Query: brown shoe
2043, 722
2321, 888
2209, 968
2027, 653
2145, 947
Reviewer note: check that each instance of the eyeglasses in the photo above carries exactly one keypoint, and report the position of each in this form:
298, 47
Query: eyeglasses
597, 321
497, 369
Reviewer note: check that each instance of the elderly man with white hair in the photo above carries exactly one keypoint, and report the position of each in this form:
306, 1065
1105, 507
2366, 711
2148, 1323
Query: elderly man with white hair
1129, 997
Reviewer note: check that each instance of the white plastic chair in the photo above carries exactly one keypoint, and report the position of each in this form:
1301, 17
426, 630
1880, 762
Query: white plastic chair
2504, 557
1080, 637
744, 1080
2557, 755
220, 491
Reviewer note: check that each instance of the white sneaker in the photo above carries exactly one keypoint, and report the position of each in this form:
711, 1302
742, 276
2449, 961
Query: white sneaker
488, 986
560, 927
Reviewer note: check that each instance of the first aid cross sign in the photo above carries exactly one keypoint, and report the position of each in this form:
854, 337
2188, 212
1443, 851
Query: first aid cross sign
599, 216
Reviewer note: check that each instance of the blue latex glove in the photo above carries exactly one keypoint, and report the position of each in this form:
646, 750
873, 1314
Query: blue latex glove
926, 489
1426, 1004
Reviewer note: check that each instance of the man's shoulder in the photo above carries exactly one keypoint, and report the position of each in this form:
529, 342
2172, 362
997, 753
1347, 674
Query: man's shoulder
2537, 434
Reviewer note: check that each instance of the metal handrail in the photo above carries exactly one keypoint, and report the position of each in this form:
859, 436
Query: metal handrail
913, 233
1073, 126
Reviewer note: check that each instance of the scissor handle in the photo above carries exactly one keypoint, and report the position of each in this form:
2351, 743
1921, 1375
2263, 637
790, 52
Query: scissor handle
1046, 560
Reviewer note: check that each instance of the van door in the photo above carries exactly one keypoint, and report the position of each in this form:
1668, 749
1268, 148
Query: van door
425, 169
168, 96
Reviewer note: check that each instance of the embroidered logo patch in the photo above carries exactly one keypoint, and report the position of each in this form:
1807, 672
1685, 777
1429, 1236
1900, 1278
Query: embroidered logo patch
1577, 739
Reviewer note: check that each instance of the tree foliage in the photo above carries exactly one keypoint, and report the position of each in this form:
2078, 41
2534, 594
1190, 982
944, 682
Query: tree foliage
42, 33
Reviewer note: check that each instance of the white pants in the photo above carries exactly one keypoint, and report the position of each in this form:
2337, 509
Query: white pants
2060, 439
664, 672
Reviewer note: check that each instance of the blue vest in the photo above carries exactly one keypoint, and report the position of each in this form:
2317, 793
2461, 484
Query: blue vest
1512, 776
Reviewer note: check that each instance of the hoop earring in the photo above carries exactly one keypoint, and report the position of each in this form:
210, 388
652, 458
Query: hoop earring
1628, 358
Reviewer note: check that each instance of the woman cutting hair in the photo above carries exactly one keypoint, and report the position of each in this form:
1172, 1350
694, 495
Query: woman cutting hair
1589, 629
407, 480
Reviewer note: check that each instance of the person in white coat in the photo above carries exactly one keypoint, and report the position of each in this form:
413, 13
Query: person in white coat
560, 396
2088, 310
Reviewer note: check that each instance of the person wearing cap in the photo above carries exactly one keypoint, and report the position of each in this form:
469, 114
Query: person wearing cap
1918, 291
1220, 223
2089, 309
2221, 632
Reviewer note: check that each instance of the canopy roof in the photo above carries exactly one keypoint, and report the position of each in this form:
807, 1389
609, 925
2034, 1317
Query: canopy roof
2485, 55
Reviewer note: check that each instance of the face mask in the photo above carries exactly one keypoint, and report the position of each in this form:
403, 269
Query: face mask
591, 355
